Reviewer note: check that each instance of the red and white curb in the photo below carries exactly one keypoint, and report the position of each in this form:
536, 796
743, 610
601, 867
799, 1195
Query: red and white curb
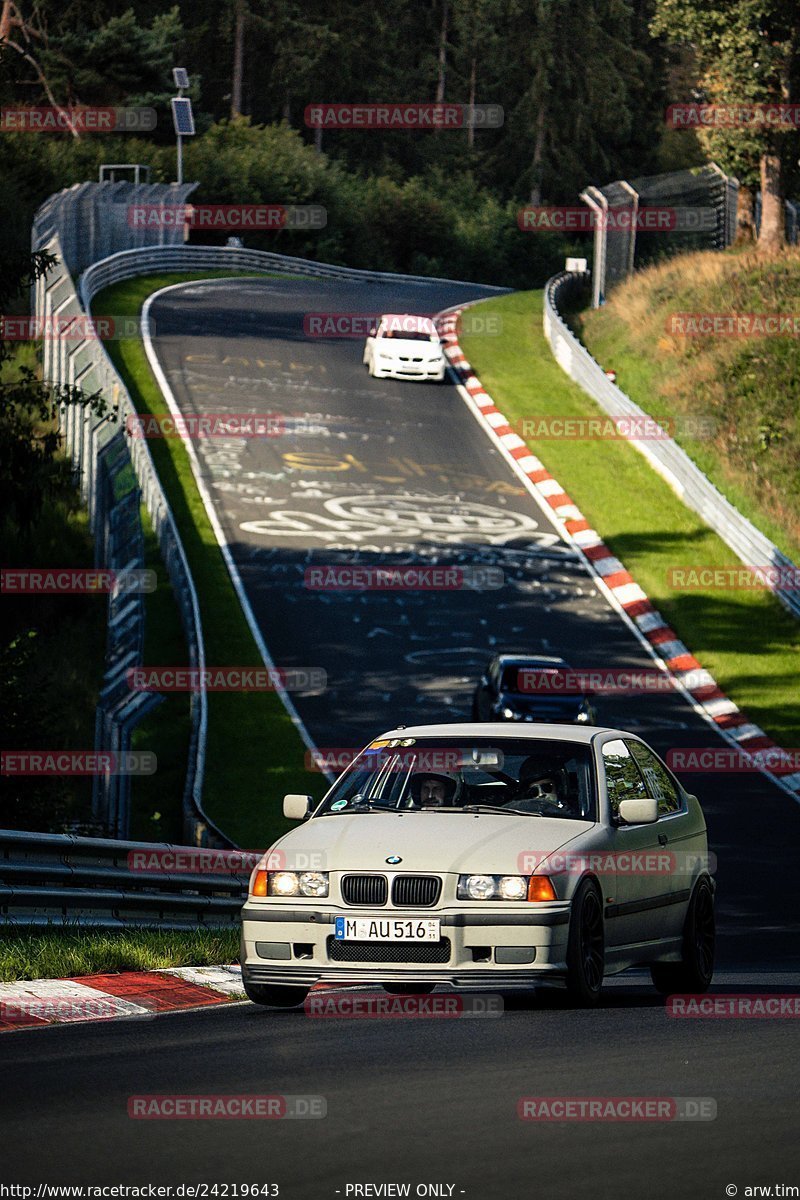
697, 684
30, 1003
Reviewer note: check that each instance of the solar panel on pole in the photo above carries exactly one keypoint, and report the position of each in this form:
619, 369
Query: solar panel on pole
182, 116
180, 77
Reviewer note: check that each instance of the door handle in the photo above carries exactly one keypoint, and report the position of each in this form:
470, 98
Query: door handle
662, 839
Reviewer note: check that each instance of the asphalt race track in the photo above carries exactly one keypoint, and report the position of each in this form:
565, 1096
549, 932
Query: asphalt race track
388, 471
383, 471
415, 1101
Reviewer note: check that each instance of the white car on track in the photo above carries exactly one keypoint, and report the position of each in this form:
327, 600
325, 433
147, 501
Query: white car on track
404, 346
478, 854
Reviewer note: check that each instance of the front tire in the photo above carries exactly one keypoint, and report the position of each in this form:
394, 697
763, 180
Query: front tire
586, 946
275, 995
693, 974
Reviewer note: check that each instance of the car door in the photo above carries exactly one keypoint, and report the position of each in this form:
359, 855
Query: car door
676, 837
636, 905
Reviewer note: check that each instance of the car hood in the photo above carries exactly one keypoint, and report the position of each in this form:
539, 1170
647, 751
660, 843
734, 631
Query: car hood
426, 841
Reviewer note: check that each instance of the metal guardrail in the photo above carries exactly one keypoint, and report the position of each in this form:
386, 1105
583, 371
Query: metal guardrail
57, 879
664, 455
129, 263
84, 362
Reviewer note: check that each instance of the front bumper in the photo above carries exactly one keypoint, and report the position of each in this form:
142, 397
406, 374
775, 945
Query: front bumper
296, 946
432, 372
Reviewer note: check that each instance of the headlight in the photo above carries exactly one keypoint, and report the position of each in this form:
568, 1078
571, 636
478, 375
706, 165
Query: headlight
476, 887
513, 887
583, 716
510, 714
492, 887
297, 883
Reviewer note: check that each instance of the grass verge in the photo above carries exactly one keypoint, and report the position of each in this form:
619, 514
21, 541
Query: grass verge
745, 638
254, 752
61, 953
744, 390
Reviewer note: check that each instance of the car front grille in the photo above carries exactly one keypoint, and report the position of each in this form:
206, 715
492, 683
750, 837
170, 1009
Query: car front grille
416, 891
389, 952
365, 889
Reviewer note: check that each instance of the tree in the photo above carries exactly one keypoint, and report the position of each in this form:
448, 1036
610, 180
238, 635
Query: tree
30, 472
747, 52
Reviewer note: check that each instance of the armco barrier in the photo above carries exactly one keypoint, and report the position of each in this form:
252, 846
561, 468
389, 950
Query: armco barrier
129, 263
84, 362
664, 455
87, 364
57, 879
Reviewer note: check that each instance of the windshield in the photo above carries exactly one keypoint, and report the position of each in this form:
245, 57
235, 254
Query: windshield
533, 777
532, 680
409, 335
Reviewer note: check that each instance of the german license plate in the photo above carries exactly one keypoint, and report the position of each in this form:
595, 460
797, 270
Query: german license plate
385, 929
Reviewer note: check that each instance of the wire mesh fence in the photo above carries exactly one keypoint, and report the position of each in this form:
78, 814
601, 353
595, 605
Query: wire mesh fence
641, 219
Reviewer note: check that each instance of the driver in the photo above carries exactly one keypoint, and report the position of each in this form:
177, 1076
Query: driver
430, 790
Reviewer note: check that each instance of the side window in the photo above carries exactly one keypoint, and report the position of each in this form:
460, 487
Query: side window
659, 783
623, 780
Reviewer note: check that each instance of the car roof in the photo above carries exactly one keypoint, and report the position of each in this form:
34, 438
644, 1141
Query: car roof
503, 729
424, 322
529, 660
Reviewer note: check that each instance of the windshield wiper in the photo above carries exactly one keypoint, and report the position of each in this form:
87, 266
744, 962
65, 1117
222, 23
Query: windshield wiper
490, 808
366, 806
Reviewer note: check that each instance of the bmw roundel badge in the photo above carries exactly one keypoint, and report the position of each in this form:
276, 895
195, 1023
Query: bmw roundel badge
393, 859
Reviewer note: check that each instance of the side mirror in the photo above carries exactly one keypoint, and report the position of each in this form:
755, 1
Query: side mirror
638, 812
373, 331
295, 807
